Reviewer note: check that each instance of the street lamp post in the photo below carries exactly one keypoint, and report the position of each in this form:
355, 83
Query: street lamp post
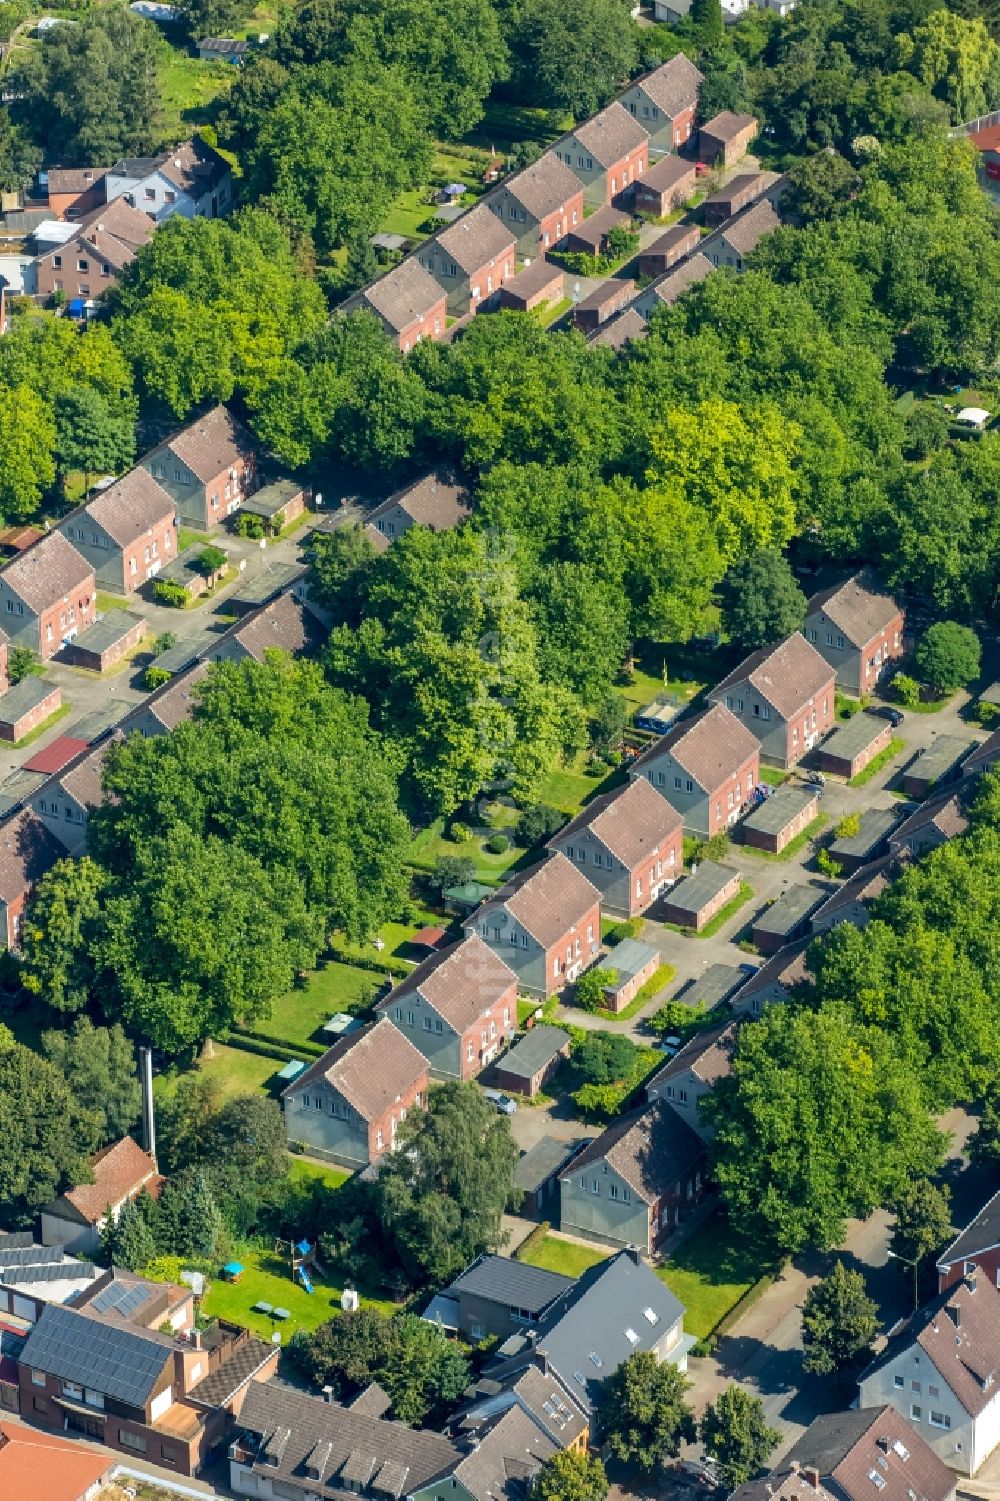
914, 1263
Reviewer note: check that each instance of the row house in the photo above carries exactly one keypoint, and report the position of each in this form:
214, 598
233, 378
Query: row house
735, 244
349, 1104
606, 154
126, 532
851, 1456
408, 302
27, 851
784, 695
726, 138
458, 1008
858, 629
665, 103
673, 284
630, 842
73, 191
694, 1071
192, 179
631, 1185
47, 596
166, 1398
434, 501
935, 822
87, 264
65, 800
471, 260
539, 205
545, 923
206, 468
283, 625
707, 766
169, 706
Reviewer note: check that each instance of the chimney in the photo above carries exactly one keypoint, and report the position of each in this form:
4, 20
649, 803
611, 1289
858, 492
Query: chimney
148, 1118
634, 1254
954, 1312
196, 1339
812, 1476
883, 1443
328, 1394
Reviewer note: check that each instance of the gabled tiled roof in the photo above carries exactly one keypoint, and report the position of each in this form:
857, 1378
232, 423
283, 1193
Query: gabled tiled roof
611, 135
130, 507
709, 1056
27, 851
959, 1333
664, 174
944, 812
128, 224
47, 572
37, 1466
981, 1234
194, 166
74, 179
372, 1068
746, 231
283, 625
212, 444
435, 501
547, 899
786, 676
710, 747
725, 126
632, 822
405, 295
652, 1149
175, 701
856, 607
507, 1456
679, 279
673, 86
462, 982
544, 186
618, 332
120, 1171
475, 239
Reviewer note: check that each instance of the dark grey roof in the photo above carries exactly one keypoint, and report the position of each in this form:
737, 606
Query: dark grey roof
876, 825
122, 1362
500, 1279
220, 1386
828, 1439
25, 696
616, 1308
939, 758
295, 1426
979, 1235
262, 587
791, 909
537, 1048
508, 1455
715, 985
697, 890
849, 739
630, 956
107, 631
778, 810
539, 1162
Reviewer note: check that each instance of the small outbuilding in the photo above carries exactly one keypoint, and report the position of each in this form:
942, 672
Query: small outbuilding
27, 705
849, 749
710, 989
726, 138
938, 763
465, 898
695, 901
603, 303
105, 643
786, 919
532, 1062
590, 236
261, 588
868, 843
742, 190
780, 818
278, 501
664, 186
672, 246
539, 283
537, 1176
633, 963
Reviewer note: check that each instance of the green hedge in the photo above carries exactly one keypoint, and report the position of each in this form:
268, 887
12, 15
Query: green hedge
262, 1049
531, 1241
373, 966
750, 1297
304, 1046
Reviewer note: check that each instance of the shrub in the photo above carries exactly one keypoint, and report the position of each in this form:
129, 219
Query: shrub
907, 690
848, 826
21, 663
590, 987
155, 677
169, 592
948, 656
250, 526
538, 823
210, 561
161, 643
828, 865
675, 1018
845, 708
716, 848
453, 870
619, 931
459, 833
497, 844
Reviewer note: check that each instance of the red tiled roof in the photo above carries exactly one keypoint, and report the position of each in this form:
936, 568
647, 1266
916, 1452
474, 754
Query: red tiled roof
55, 756
41, 1467
119, 1171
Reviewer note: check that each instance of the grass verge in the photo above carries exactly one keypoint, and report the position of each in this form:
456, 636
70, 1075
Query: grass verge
653, 985
45, 726
710, 1272
794, 846
878, 763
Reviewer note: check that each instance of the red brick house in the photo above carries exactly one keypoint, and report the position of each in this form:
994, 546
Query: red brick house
707, 766
631, 844
169, 1399
539, 205
206, 468
459, 1008
27, 851
545, 923
127, 532
726, 138
665, 102
858, 629
409, 303
607, 154
121, 1172
664, 186
91, 261
784, 695
349, 1104
977, 1247
471, 260
47, 595
74, 191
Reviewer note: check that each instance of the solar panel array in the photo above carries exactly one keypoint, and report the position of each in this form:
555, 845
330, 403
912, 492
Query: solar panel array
125, 1298
30, 1255
57, 1271
120, 1362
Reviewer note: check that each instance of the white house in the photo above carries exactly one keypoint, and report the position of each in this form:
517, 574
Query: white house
191, 179
942, 1373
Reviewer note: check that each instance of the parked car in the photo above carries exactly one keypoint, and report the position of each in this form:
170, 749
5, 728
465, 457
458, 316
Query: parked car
501, 1102
886, 711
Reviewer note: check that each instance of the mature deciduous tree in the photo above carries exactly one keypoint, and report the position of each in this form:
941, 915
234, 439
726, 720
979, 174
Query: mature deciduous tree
46, 1134
98, 1064
736, 1435
763, 602
839, 1321
62, 932
571, 56
571, 1476
948, 656
643, 1412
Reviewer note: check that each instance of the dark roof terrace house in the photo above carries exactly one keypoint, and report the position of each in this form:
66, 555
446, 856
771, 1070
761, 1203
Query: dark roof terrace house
668, 287
665, 101
606, 153
500, 1296
436, 501
545, 923
540, 205
631, 843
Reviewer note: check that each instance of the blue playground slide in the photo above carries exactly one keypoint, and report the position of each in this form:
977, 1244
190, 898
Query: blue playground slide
303, 1276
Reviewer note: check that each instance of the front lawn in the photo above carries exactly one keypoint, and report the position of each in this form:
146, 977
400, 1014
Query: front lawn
565, 1256
267, 1278
303, 1171
877, 763
298, 1015
710, 1272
